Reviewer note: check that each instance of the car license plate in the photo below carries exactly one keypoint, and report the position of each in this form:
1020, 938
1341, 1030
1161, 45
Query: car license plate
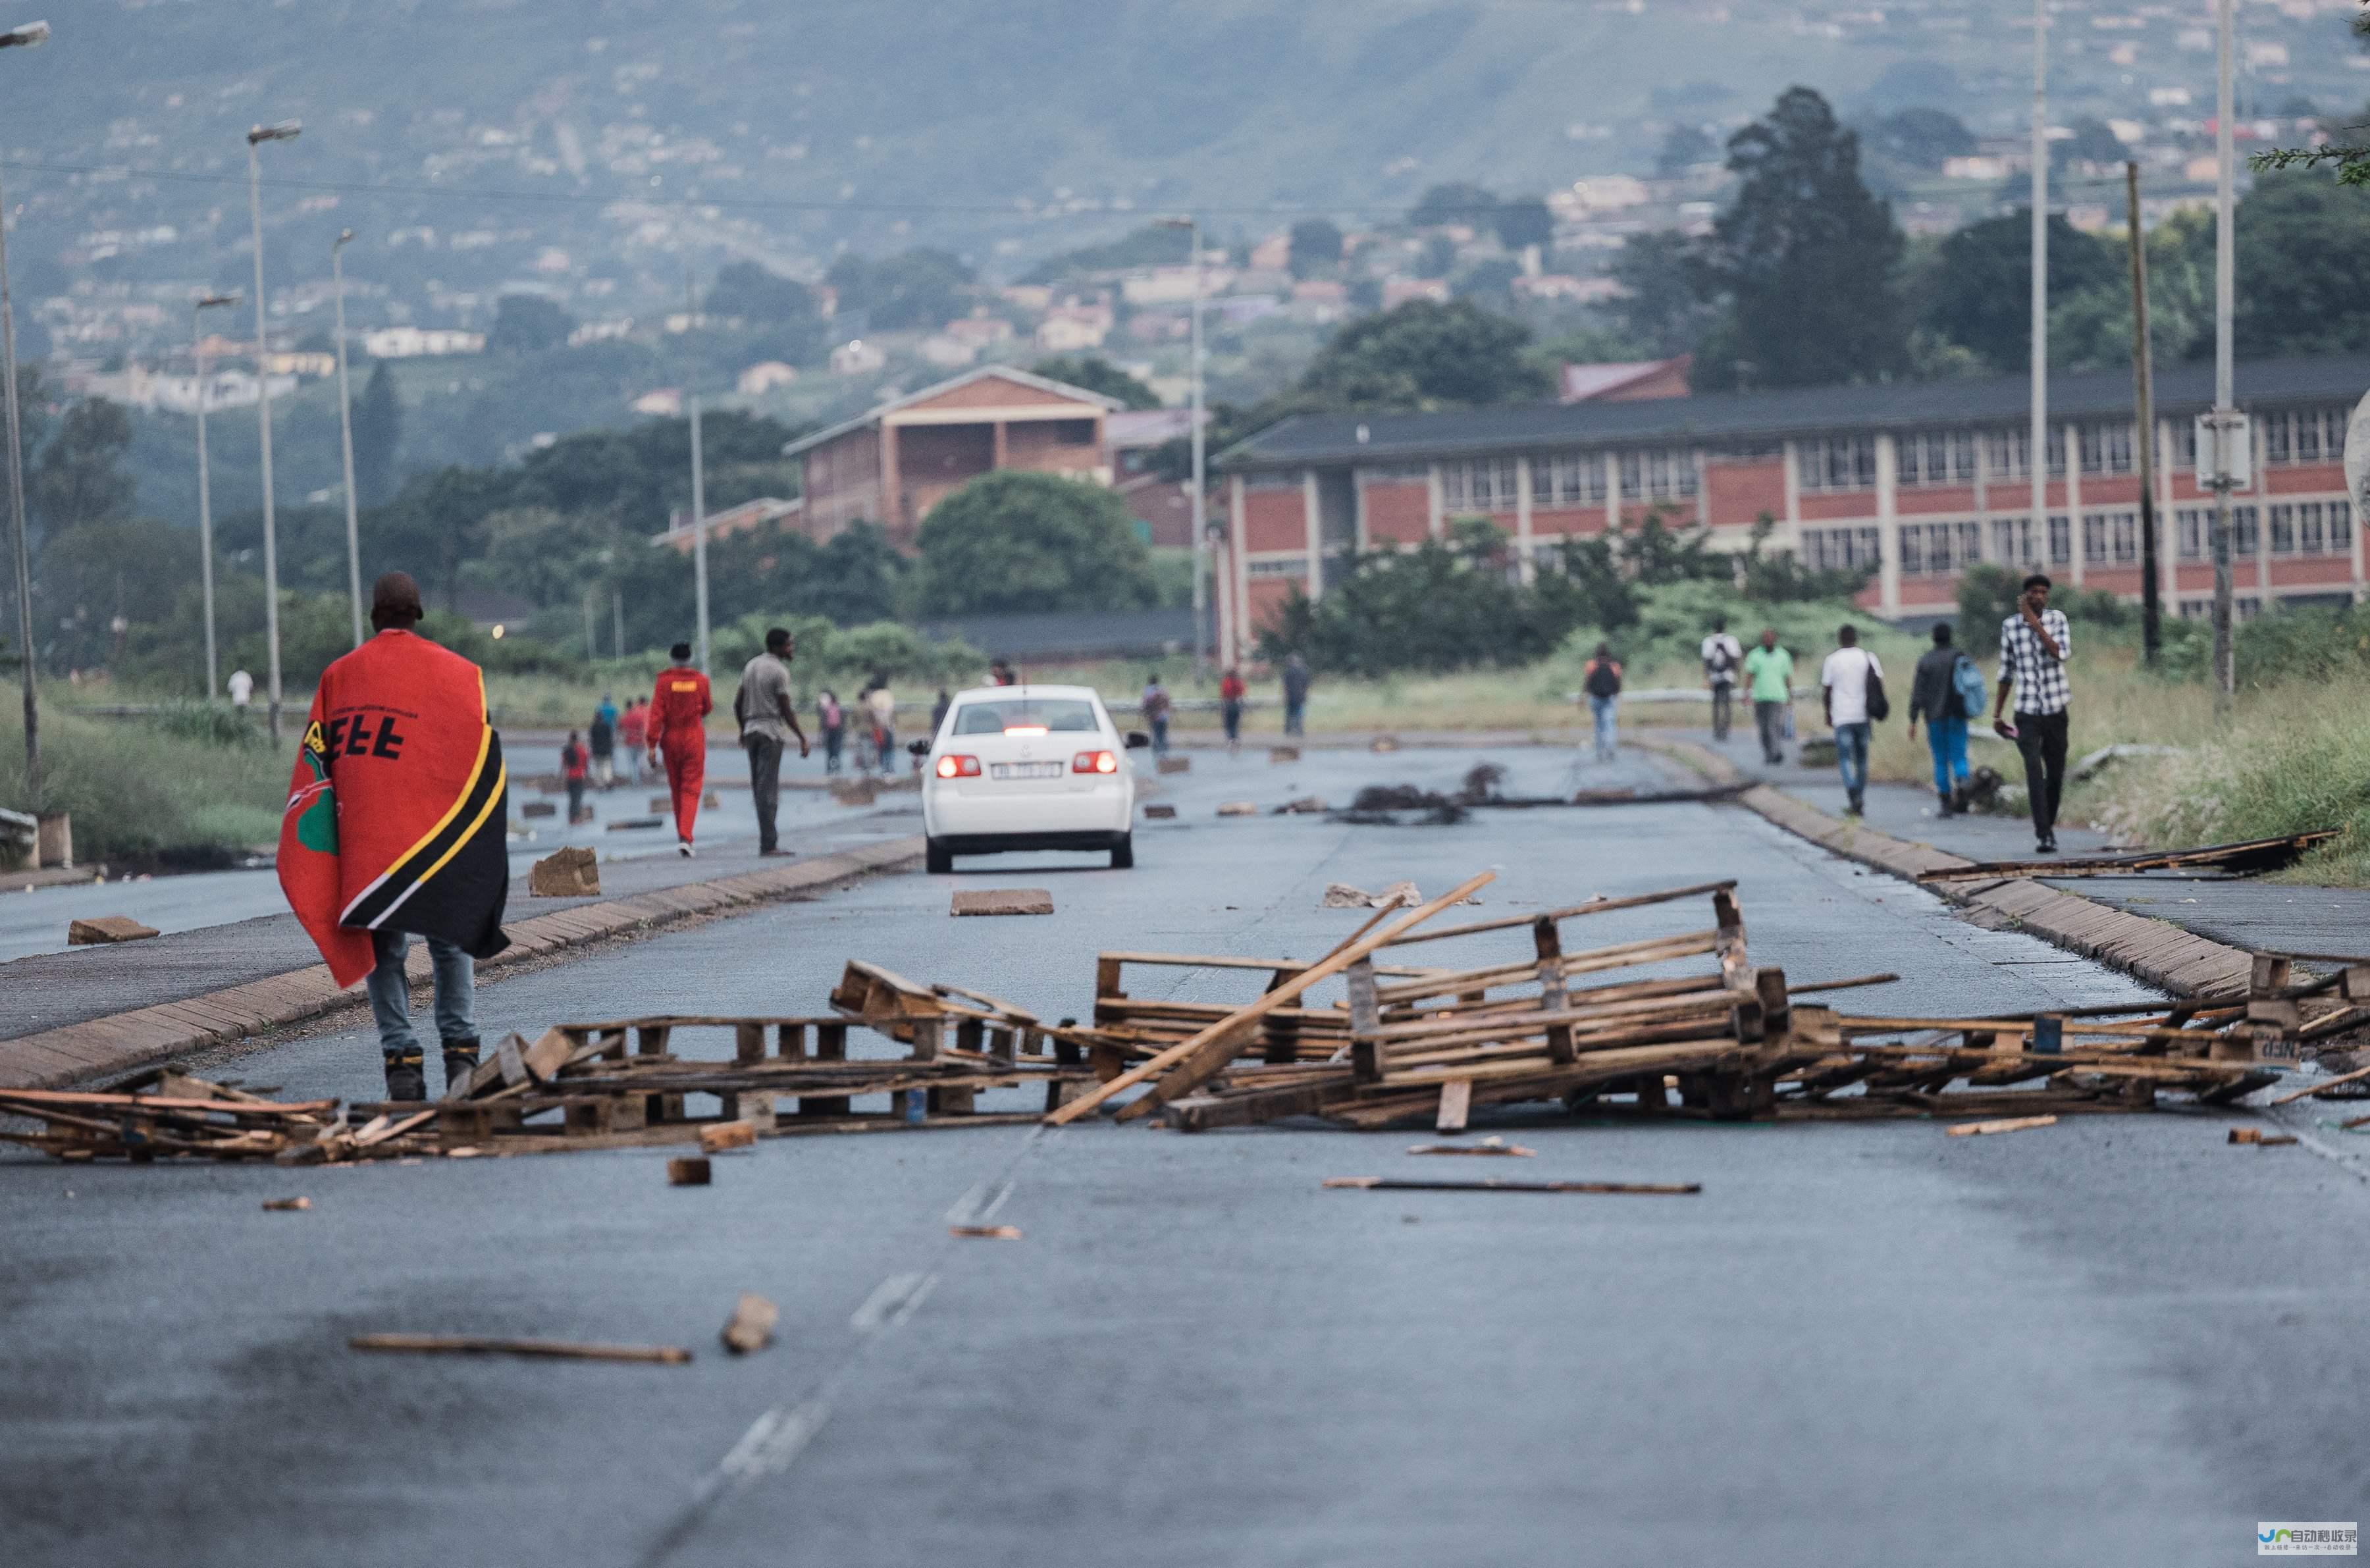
1024, 770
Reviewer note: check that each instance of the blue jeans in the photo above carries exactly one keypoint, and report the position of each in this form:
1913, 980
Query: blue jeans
1160, 737
1603, 710
1947, 739
1851, 756
1294, 709
390, 991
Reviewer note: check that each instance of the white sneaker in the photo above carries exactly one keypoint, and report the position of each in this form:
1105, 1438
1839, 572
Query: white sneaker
683, 848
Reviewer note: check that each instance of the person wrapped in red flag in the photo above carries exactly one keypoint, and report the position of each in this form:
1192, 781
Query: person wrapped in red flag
678, 732
397, 822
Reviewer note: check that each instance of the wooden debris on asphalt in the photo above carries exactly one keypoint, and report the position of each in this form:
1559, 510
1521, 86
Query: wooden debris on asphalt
2256, 1135
2006, 1125
751, 1327
1283, 753
572, 872
721, 1137
286, 1206
1174, 765
1003, 901
1159, 814
1487, 1145
2249, 859
477, 1345
1342, 895
986, 1232
1238, 808
1490, 1184
689, 1171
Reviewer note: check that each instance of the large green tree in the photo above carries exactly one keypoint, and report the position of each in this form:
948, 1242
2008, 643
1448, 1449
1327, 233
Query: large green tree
1316, 245
79, 476
378, 435
1018, 541
745, 292
1424, 355
921, 288
1806, 255
1980, 291
2301, 240
1097, 375
1662, 307
526, 324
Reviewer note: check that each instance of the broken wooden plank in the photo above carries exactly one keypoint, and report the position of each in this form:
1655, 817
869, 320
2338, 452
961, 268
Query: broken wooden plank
689, 1172
985, 1232
751, 1327
2006, 1125
100, 930
2246, 858
2357, 1076
1485, 1147
1490, 1184
1455, 1100
1003, 901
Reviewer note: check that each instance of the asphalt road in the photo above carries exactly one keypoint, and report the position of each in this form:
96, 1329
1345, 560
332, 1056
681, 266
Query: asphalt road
2114, 1341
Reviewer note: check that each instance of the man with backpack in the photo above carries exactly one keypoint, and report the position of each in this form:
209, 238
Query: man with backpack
1946, 690
1851, 684
1721, 656
1602, 682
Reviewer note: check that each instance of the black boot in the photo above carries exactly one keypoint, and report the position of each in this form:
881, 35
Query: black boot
460, 1061
406, 1081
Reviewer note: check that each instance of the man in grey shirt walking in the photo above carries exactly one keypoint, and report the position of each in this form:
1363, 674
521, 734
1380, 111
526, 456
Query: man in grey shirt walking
768, 719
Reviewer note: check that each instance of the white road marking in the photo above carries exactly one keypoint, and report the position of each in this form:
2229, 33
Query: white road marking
887, 1298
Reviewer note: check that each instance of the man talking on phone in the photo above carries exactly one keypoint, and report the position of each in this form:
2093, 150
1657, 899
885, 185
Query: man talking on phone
2035, 642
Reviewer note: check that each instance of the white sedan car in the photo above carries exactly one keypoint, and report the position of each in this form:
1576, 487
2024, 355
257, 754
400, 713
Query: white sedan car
1029, 768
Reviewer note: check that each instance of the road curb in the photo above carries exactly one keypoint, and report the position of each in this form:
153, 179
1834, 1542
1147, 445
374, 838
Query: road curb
2157, 952
127, 1040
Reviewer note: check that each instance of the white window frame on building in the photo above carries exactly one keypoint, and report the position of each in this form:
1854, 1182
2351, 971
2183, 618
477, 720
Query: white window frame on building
2108, 448
2008, 452
1480, 484
1930, 457
1567, 478
2301, 437
1659, 474
1939, 549
2110, 538
1858, 547
1829, 465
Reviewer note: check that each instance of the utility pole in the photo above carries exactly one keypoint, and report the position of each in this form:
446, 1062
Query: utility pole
346, 436
699, 480
1191, 225
206, 484
2225, 425
287, 131
25, 37
2039, 434
2143, 407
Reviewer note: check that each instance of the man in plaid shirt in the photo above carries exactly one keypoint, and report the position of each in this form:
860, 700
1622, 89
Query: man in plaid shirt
2035, 642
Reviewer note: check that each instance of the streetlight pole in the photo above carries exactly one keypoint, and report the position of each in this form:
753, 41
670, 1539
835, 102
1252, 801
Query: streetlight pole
1191, 225
25, 37
346, 436
205, 483
2039, 435
287, 131
2225, 664
698, 479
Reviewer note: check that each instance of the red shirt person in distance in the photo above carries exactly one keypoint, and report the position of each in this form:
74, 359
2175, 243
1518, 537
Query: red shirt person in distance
678, 733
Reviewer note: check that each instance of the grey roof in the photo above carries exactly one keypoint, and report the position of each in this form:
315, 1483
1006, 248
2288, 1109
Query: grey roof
2181, 392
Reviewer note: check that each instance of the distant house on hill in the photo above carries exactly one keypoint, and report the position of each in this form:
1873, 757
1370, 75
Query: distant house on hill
893, 463
1629, 382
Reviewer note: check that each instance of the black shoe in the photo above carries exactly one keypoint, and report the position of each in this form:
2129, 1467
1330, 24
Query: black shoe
2048, 844
460, 1062
406, 1081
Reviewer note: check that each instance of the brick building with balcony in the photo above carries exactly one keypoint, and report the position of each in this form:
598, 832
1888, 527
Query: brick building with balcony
893, 463
1912, 482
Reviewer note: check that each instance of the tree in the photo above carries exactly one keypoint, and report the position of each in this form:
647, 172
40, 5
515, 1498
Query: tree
1425, 354
1921, 138
1684, 147
1982, 285
2093, 141
378, 435
1094, 375
1019, 541
79, 476
920, 288
1316, 244
1524, 220
745, 292
2301, 238
1806, 255
528, 324
1663, 309
1459, 201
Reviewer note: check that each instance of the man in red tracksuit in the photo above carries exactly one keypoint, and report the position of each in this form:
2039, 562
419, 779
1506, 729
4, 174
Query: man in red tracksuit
678, 732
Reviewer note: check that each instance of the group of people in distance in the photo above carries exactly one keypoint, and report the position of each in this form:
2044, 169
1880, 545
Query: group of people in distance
1947, 692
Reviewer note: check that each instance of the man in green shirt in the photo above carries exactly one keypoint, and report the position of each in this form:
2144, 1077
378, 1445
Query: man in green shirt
1769, 671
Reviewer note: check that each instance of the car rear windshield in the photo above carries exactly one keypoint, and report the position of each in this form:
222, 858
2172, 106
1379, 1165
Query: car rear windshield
1058, 715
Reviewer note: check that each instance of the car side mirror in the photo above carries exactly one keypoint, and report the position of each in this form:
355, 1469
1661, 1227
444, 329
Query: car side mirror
919, 749
1137, 738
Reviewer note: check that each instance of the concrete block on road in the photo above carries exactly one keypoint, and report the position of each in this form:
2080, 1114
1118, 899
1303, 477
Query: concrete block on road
539, 809
1238, 808
1003, 901
107, 928
1159, 814
1283, 753
1176, 764
687, 1173
567, 873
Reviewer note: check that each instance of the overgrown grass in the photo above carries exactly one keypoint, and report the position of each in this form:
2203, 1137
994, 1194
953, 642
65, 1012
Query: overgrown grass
180, 789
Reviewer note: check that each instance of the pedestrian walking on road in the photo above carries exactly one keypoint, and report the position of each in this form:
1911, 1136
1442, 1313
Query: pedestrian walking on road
603, 734
678, 731
1231, 692
571, 773
2035, 643
241, 687
1851, 687
1296, 693
938, 712
633, 734
1602, 682
1722, 656
1001, 673
762, 707
1155, 706
396, 825
1937, 693
832, 720
1769, 674
881, 707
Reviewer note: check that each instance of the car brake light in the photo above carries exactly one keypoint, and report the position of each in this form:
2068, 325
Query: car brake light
953, 766
1094, 762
